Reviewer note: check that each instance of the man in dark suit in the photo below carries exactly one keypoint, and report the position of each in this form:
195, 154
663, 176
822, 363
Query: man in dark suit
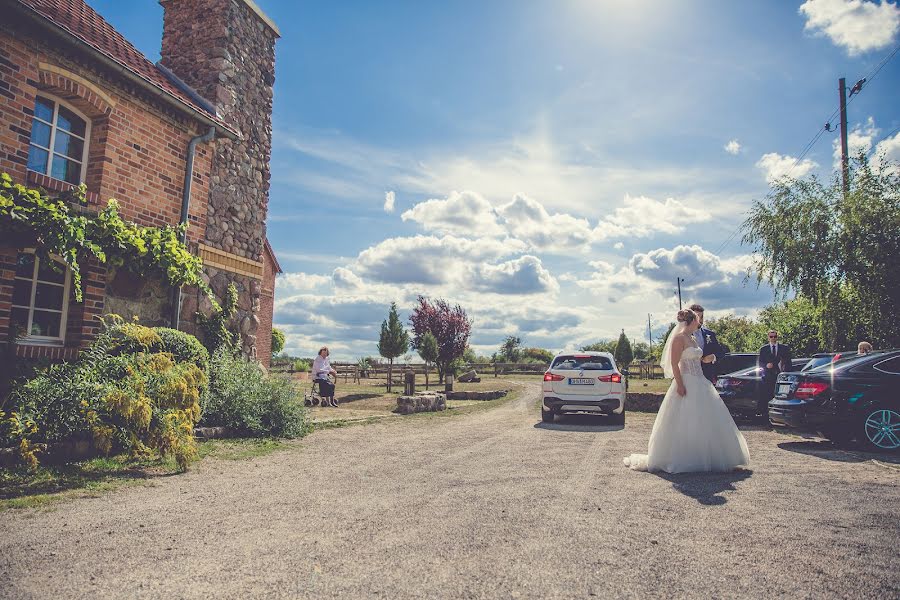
712, 349
773, 359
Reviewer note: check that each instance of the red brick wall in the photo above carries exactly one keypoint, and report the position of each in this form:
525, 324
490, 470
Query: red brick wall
266, 307
137, 149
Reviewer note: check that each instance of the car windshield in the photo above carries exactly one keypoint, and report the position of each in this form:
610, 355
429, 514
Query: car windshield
818, 362
572, 362
843, 363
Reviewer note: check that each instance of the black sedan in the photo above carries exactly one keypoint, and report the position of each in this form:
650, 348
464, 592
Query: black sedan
853, 398
740, 390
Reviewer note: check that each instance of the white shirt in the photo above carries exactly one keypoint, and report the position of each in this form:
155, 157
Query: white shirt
321, 367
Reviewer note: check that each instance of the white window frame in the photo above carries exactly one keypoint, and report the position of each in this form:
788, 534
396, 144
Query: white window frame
45, 339
51, 152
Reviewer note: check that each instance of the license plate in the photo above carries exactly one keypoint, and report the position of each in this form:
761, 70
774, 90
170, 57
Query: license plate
580, 381
784, 389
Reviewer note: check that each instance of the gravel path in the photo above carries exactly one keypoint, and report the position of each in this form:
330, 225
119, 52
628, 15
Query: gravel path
493, 504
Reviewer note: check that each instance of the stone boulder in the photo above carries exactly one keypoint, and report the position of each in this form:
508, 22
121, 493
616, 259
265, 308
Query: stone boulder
489, 395
421, 402
468, 377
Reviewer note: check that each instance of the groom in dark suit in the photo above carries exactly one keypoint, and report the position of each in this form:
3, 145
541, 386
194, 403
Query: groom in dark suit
773, 359
712, 349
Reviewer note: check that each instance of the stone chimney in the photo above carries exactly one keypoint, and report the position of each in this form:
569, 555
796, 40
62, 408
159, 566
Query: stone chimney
225, 50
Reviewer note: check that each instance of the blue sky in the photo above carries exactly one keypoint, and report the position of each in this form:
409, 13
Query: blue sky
551, 166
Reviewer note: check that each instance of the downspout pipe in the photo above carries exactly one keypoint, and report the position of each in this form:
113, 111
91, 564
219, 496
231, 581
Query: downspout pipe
185, 206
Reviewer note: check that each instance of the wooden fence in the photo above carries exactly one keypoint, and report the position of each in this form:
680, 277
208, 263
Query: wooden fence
377, 374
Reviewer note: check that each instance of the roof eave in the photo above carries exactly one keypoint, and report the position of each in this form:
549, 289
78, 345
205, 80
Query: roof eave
136, 78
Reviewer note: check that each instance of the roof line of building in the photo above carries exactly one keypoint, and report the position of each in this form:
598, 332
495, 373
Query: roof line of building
130, 74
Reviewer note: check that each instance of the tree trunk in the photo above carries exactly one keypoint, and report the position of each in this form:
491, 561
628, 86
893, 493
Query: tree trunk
426, 376
390, 374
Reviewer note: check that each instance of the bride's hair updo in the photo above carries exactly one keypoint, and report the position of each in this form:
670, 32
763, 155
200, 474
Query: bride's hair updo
686, 316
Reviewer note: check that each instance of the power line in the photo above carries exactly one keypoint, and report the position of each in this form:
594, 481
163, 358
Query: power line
827, 127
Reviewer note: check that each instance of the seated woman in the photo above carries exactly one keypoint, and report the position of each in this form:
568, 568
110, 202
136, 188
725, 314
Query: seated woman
321, 369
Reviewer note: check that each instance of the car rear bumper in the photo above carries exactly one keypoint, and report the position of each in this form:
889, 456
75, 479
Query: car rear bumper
795, 414
600, 405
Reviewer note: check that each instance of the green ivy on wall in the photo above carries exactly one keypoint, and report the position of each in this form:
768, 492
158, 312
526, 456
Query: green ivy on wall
29, 217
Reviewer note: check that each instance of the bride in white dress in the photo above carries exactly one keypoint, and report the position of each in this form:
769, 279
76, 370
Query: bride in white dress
694, 430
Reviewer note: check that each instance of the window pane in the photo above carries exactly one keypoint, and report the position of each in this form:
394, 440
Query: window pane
37, 159
68, 145
19, 317
48, 296
65, 170
70, 121
40, 133
25, 265
43, 109
45, 323
889, 366
21, 293
51, 271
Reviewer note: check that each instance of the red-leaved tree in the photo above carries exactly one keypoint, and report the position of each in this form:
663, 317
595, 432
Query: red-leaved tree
449, 325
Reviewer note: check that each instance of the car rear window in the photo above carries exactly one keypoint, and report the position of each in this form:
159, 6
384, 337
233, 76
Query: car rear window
817, 362
588, 363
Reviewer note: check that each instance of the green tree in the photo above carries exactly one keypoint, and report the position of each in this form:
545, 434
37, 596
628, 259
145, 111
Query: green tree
797, 322
738, 334
428, 350
601, 346
536, 355
278, 340
510, 349
839, 251
623, 353
394, 340
641, 350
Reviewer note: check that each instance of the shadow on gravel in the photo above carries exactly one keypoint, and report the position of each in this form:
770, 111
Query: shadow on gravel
580, 423
828, 450
706, 487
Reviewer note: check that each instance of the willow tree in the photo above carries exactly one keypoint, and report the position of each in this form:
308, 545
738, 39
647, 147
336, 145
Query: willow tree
839, 251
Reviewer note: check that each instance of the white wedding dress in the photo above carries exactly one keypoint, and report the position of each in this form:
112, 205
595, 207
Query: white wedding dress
694, 432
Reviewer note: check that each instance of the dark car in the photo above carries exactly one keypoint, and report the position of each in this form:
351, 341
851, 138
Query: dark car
852, 398
736, 361
740, 390
824, 358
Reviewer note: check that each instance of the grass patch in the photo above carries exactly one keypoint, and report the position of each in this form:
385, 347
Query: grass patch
240, 448
648, 386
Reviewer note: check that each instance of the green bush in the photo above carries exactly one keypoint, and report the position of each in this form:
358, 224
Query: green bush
304, 365
137, 400
183, 346
245, 398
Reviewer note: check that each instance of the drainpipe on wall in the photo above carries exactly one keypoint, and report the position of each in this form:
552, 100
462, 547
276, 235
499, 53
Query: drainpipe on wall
185, 205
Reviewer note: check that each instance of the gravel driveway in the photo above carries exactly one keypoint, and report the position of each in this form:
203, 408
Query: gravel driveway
493, 504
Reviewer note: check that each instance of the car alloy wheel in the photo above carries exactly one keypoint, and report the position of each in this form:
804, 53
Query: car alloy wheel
882, 429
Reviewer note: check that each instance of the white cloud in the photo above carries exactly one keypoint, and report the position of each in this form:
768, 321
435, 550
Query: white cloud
859, 139
775, 166
429, 260
524, 275
389, 202
528, 220
461, 213
618, 245
733, 147
291, 283
856, 25
888, 150
640, 216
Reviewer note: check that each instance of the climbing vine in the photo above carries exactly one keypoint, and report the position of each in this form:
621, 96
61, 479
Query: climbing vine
28, 216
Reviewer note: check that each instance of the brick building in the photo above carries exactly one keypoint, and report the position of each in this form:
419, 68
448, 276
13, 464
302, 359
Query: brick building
188, 138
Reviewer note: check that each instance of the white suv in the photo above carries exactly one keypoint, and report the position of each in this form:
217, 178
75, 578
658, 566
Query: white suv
584, 382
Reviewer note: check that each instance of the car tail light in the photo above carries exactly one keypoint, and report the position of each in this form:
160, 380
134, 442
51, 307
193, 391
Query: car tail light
614, 378
552, 377
810, 389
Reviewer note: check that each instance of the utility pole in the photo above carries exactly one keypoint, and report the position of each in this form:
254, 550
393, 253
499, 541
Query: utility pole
845, 160
680, 279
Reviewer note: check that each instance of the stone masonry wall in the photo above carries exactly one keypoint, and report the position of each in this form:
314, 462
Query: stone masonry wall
225, 51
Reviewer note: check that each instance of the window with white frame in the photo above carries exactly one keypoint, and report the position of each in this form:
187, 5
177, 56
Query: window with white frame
59, 140
40, 298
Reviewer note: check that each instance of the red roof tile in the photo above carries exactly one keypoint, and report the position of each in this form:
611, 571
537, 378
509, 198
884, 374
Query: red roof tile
85, 24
